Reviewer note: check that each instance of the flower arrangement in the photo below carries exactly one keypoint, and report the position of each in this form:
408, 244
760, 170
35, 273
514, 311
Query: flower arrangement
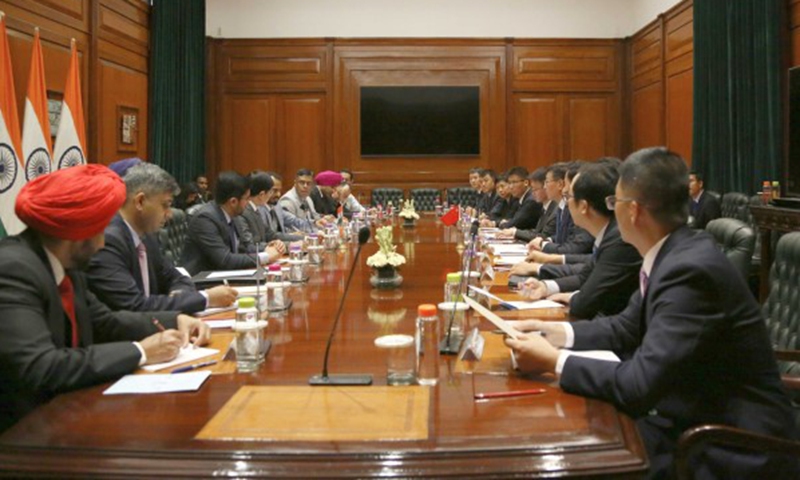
386, 256
408, 211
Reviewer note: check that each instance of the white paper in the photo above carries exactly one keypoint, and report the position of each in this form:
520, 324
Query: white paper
187, 354
158, 383
606, 355
497, 321
225, 323
213, 311
508, 260
231, 273
510, 249
183, 272
533, 305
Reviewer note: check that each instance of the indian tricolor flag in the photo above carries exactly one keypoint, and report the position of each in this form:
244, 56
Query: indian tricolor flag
71, 139
12, 175
36, 146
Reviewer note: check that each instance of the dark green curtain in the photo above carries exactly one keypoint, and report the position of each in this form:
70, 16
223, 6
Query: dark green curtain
177, 87
738, 119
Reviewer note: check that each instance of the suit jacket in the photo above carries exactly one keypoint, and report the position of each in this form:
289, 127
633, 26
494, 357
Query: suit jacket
545, 227
526, 212
323, 204
208, 246
303, 213
256, 234
607, 282
280, 224
35, 362
571, 239
115, 277
500, 210
706, 209
696, 348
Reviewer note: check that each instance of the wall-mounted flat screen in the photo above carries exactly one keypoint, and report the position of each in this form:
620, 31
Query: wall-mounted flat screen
420, 121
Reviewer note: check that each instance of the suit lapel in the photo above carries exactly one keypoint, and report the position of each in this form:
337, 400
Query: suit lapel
122, 229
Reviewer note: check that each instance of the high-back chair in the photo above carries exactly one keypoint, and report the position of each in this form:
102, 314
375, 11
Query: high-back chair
736, 239
425, 199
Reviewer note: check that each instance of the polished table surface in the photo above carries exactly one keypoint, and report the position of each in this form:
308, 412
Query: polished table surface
84, 433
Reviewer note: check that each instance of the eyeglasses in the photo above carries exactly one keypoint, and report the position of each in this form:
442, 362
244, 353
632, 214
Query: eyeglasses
567, 196
612, 200
514, 182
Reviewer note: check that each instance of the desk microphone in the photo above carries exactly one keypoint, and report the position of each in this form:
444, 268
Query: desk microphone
347, 379
446, 346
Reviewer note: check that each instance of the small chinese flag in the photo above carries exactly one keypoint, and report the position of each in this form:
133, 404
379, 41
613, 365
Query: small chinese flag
450, 218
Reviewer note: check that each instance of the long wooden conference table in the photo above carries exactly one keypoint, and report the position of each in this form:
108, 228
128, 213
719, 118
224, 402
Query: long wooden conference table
86, 434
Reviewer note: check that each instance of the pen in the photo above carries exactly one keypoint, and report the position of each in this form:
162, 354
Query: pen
158, 325
189, 368
511, 393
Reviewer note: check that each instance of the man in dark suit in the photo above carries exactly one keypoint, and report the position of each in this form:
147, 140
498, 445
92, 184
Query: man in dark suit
526, 210
55, 336
286, 228
693, 340
256, 231
489, 197
604, 284
703, 207
129, 272
323, 194
501, 207
213, 240
546, 193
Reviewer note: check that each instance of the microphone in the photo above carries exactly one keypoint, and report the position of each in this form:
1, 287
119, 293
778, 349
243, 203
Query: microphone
446, 346
348, 379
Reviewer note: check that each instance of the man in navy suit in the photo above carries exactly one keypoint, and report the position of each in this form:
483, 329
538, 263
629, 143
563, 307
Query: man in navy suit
693, 339
129, 272
703, 207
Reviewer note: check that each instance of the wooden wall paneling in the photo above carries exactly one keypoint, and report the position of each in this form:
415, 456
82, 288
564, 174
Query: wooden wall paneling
679, 78
302, 134
592, 130
561, 65
538, 123
647, 91
794, 25
247, 133
125, 23
647, 117
69, 13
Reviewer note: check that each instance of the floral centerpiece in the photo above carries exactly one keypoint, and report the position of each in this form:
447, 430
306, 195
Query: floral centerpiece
386, 260
408, 213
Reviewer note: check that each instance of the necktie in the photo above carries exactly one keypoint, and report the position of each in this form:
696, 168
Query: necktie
594, 252
142, 251
276, 224
643, 279
232, 233
67, 293
559, 226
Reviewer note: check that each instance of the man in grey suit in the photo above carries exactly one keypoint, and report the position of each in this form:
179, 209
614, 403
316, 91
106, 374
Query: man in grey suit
297, 203
55, 336
129, 272
287, 229
693, 341
256, 230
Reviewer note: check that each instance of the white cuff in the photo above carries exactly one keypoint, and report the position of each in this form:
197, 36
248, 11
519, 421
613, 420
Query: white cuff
562, 260
562, 358
263, 258
142, 360
544, 243
552, 287
573, 294
569, 335
205, 295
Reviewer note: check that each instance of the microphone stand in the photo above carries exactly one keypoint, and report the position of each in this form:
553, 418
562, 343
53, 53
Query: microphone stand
446, 346
347, 379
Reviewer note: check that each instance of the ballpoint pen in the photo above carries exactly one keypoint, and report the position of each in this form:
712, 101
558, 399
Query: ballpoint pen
158, 325
511, 393
189, 368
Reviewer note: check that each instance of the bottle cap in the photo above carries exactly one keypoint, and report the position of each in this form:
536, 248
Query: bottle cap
247, 302
454, 277
426, 310
274, 268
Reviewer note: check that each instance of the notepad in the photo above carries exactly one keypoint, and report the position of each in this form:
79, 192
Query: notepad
231, 273
159, 383
497, 321
187, 354
606, 355
213, 311
520, 305
220, 323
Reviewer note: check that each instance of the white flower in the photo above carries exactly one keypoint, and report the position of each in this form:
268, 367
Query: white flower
386, 254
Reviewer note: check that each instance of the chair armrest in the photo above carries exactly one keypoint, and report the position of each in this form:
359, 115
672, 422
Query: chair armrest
698, 438
787, 355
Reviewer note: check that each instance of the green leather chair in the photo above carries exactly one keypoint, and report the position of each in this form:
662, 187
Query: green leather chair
736, 239
172, 236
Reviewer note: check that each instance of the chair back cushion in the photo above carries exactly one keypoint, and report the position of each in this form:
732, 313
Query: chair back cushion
383, 196
736, 239
735, 205
425, 199
782, 308
173, 236
464, 196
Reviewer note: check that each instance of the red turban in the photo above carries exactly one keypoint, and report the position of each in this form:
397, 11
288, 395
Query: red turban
75, 203
328, 178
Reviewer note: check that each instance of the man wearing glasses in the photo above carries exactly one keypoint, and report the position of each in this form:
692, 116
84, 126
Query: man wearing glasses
525, 209
694, 343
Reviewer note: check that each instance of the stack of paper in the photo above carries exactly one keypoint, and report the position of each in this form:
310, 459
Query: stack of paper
160, 383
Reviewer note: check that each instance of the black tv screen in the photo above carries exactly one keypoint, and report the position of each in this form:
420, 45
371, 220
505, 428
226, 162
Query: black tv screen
420, 121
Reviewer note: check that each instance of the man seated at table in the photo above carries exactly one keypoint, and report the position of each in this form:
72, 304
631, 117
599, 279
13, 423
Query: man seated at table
129, 272
606, 282
524, 211
693, 339
55, 336
488, 197
298, 206
350, 202
213, 240
475, 179
703, 207
324, 195
502, 206
256, 231
546, 193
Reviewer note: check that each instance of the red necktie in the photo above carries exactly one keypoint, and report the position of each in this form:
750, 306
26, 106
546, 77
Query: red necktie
67, 293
